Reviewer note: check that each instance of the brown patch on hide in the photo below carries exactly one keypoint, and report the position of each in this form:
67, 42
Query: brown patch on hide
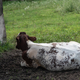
54, 61
72, 61
60, 44
66, 43
41, 51
54, 44
52, 50
63, 53
79, 48
28, 60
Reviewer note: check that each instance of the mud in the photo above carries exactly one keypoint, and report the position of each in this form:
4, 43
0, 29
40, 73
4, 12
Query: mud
10, 69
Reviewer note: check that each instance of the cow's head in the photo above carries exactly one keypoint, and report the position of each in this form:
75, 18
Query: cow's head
21, 41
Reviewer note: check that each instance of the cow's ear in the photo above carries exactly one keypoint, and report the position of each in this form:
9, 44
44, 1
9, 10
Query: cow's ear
32, 38
17, 38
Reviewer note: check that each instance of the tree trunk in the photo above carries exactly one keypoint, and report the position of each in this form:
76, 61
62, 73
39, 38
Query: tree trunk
2, 25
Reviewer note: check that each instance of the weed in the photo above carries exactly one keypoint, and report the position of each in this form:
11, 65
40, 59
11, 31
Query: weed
37, 77
69, 6
51, 78
5, 47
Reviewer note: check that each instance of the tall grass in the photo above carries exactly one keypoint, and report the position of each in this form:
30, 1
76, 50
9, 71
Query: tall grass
59, 5
69, 6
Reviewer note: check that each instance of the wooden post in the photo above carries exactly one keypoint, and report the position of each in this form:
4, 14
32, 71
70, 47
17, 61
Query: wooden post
2, 25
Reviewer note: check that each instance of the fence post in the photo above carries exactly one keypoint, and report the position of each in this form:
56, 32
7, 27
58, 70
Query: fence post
2, 25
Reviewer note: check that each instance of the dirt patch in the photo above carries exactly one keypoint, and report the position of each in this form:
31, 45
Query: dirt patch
10, 69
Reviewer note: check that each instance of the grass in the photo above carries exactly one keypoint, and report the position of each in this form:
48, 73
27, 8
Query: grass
37, 77
48, 20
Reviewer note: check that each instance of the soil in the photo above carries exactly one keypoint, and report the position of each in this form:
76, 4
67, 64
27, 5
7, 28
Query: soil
10, 69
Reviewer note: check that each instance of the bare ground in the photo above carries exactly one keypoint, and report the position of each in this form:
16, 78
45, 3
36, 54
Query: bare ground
10, 69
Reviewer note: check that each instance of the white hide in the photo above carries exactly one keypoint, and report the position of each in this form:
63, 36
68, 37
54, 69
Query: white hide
64, 56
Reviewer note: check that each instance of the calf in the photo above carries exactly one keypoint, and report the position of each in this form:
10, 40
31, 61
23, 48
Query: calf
56, 56
21, 44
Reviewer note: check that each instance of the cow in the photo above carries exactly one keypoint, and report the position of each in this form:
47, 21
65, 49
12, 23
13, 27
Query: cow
54, 56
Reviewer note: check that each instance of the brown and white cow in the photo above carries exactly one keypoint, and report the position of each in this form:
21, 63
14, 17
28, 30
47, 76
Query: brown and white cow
55, 56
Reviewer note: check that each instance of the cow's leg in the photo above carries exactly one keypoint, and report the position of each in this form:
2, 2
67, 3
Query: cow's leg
27, 61
24, 64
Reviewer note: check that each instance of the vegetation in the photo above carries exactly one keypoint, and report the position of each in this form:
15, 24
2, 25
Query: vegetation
48, 20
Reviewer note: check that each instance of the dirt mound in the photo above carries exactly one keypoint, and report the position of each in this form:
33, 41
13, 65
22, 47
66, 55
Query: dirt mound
10, 69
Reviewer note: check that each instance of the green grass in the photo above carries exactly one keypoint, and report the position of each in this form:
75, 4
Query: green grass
48, 20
